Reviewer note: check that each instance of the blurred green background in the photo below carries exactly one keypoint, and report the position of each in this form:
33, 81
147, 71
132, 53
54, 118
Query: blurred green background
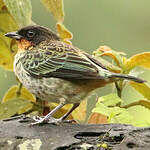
122, 25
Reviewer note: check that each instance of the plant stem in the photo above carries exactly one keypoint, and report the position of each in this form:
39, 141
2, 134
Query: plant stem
119, 89
18, 93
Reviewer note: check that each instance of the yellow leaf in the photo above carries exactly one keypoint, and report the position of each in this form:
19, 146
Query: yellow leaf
6, 55
107, 51
97, 118
80, 112
144, 103
13, 14
108, 65
7, 52
142, 88
60, 112
56, 8
64, 33
11, 94
142, 59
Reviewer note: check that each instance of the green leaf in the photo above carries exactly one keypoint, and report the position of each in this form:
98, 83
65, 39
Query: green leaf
110, 100
7, 24
120, 116
106, 105
102, 109
115, 114
21, 10
56, 8
13, 107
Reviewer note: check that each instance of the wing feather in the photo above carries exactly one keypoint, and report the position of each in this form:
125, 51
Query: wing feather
50, 62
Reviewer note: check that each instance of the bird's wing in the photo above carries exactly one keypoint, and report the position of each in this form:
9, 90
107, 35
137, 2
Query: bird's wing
59, 60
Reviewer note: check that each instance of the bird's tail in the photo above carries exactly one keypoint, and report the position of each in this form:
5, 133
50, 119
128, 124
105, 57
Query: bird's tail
128, 77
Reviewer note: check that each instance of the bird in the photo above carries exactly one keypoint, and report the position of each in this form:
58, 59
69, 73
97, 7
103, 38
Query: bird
58, 72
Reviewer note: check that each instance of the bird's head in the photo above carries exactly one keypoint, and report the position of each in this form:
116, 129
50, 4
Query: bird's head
32, 35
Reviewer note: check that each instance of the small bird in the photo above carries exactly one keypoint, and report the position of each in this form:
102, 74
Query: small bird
56, 71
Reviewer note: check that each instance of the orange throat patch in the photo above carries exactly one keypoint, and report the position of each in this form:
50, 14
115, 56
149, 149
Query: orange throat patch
24, 45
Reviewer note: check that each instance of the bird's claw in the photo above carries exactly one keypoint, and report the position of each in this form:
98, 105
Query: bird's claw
38, 120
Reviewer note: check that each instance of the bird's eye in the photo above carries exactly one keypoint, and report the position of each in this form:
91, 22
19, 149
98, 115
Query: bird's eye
30, 34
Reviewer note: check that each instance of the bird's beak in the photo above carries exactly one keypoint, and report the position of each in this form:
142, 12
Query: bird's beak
13, 35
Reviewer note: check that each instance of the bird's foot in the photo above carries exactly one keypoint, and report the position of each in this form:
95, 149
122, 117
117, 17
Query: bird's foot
41, 120
50, 120
61, 120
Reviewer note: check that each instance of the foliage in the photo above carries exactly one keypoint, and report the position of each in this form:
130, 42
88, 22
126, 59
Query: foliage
126, 65
108, 109
107, 105
56, 8
13, 14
